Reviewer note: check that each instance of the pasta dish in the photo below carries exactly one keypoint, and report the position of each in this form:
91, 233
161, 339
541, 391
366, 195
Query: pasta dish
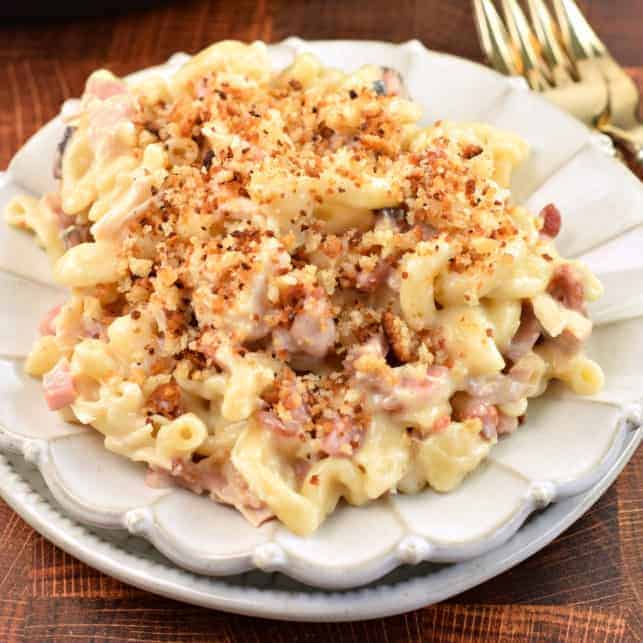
285, 290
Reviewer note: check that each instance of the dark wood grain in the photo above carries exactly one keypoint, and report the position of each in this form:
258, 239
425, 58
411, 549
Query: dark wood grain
586, 586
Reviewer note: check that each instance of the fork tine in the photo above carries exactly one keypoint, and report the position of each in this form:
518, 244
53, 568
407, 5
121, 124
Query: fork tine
579, 38
495, 39
546, 32
534, 67
596, 61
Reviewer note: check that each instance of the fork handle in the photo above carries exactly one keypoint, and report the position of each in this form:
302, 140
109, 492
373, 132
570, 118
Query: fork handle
630, 143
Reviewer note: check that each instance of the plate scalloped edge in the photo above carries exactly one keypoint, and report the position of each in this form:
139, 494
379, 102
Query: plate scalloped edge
280, 600
411, 548
406, 543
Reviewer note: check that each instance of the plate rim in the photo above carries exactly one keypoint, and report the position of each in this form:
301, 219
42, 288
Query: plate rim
317, 606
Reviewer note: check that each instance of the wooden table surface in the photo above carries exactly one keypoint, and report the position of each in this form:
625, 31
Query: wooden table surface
585, 586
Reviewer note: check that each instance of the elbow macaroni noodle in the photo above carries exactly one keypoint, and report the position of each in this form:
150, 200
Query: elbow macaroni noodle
285, 292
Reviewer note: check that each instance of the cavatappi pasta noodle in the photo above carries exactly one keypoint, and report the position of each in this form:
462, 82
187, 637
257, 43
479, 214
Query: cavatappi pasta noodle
285, 291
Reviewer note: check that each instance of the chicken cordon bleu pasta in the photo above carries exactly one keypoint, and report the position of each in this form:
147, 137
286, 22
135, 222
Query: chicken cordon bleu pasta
285, 291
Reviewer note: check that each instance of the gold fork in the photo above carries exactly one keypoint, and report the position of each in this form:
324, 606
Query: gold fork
566, 61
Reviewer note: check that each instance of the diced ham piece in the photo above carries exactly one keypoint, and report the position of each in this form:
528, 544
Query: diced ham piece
224, 484
370, 281
441, 423
46, 326
282, 340
158, 479
437, 372
517, 384
52, 204
313, 329
342, 437
58, 385
551, 221
269, 420
567, 288
104, 119
466, 407
375, 347
526, 336
498, 389
103, 86
256, 516
412, 392
108, 105
104, 94
567, 344
395, 390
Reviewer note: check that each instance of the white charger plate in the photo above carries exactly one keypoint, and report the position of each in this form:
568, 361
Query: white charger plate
567, 446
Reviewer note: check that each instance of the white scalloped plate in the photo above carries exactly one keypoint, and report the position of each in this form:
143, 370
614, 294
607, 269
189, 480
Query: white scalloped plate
567, 446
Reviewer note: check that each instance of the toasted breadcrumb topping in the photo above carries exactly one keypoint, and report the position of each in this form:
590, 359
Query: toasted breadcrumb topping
221, 261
